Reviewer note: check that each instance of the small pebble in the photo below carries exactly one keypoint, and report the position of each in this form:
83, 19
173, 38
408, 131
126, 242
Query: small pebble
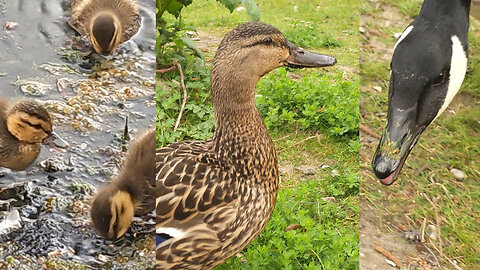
378, 88
335, 173
458, 174
433, 232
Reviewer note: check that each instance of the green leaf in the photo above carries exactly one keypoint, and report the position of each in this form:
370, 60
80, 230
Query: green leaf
191, 45
252, 10
230, 4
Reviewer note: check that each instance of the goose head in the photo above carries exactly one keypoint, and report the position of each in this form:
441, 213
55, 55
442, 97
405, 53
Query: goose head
427, 69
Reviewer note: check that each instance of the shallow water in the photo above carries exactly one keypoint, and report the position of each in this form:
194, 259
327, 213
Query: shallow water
89, 107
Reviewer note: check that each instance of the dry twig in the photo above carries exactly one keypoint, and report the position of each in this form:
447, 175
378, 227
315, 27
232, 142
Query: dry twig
158, 71
369, 131
438, 221
387, 254
297, 143
182, 84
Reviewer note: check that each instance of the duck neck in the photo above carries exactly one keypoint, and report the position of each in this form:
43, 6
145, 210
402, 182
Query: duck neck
232, 91
239, 127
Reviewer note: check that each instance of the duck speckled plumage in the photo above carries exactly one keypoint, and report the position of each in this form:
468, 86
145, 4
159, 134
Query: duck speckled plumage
23, 128
131, 193
107, 23
215, 197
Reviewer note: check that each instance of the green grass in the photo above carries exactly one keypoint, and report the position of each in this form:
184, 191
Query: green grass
452, 141
312, 121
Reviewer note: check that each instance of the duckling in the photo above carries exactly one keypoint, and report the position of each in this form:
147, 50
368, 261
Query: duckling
107, 23
23, 128
131, 193
214, 197
428, 67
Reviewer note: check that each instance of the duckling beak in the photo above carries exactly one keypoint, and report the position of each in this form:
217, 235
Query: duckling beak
53, 140
300, 58
400, 136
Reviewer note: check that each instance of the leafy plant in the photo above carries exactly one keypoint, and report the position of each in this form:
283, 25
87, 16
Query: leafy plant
319, 101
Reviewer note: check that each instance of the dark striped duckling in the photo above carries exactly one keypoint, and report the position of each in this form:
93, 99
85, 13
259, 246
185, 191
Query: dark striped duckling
132, 193
23, 128
214, 197
107, 23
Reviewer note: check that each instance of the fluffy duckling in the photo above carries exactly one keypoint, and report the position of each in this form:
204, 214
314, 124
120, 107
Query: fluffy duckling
215, 197
23, 128
107, 23
131, 193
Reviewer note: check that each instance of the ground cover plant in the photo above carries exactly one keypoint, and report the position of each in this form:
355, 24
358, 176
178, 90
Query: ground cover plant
427, 199
312, 116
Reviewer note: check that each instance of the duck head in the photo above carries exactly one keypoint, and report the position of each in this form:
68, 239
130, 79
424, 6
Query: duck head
105, 32
427, 69
112, 212
252, 50
30, 123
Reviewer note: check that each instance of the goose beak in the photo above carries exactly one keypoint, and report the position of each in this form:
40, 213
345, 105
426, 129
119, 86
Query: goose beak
56, 141
300, 58
400, 136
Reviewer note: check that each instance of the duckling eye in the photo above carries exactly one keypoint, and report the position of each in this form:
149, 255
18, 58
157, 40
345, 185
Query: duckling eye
267, 40
440, 79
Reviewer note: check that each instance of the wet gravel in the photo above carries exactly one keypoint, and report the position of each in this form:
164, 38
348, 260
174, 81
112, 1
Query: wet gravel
90, 101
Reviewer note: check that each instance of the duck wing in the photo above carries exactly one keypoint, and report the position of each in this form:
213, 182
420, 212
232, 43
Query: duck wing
197, 205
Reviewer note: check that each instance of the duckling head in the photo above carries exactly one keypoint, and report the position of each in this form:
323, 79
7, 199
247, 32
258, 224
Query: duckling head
105, 32
112, 212
252, 50
30, 123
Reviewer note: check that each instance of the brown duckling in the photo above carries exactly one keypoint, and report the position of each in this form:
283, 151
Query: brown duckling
23, 128
131, 193
215, 197
107, 23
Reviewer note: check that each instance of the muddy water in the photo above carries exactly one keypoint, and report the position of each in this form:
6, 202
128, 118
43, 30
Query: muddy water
40, 59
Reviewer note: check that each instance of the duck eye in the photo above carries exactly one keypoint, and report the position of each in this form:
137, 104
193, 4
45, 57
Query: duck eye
440, 78
267, 40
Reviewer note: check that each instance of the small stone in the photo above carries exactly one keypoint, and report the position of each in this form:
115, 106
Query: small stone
361, 29
335, 173
458, 174
397, 35
390, 263
378, 88
433, 232
328, 199
306, 170
102, 258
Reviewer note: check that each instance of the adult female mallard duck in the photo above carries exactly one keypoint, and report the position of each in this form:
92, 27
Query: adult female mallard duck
107, 23
131, 193
214, 197
23, 128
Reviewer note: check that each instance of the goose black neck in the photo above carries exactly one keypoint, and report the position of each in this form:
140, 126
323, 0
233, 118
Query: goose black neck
456, 11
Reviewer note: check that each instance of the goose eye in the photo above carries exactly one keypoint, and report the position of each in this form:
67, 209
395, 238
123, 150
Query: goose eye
440, 79
267, 40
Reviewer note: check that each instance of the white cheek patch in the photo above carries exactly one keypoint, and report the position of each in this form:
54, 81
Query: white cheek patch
404, 34
458, 68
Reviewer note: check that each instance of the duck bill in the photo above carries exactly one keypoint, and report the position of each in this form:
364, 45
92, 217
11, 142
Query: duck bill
400, 136
55, 141
300, 58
